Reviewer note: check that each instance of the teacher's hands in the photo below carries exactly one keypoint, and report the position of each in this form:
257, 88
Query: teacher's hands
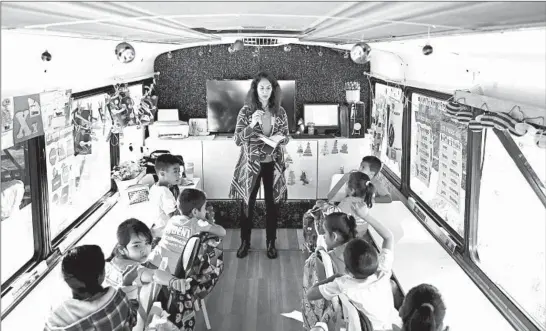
256, 118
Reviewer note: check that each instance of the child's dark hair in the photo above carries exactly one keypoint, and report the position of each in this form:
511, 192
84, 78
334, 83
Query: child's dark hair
374, 162
360, 258
423, 309
164, 161
124, 232
82, 268
362, 187
189, 199
341, 223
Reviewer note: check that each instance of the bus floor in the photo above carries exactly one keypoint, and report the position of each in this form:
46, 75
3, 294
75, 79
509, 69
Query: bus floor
254, 292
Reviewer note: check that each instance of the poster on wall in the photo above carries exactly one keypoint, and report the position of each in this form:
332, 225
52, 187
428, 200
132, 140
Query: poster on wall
425, 144
60, 160
7, 123
27, 122
387, 116
55, 109
450, 165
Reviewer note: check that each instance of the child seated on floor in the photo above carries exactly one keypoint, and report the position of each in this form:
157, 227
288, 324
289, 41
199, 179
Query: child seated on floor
162, 200
92, 307
371, 166
128, 267
423, 309
359, 189
366, 281
192, 204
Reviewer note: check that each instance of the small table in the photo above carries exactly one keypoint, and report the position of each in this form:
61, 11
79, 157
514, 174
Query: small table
195, 184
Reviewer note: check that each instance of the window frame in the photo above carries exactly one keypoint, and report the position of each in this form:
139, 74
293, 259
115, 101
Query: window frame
459, 240
46, 249
465, 253
510, 309
38, 184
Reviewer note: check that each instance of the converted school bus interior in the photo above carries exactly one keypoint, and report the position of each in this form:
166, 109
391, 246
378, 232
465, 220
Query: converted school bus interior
450, 96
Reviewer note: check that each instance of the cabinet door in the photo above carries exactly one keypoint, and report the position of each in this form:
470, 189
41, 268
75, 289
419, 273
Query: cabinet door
219, 159
191, 151
335, 154
301, 172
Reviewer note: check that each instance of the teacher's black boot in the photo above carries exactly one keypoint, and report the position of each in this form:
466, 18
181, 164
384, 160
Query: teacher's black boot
243, 250
271, 250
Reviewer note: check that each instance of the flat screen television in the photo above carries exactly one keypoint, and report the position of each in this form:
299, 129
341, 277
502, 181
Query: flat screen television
226, 97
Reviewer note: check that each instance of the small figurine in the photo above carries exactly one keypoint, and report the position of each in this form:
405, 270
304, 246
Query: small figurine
301, 127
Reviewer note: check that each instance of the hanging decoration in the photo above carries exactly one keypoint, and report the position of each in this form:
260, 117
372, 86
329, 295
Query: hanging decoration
125, 52
82, 125
148, 106
360, 53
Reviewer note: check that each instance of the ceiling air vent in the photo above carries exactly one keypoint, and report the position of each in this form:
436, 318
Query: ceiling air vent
261, 41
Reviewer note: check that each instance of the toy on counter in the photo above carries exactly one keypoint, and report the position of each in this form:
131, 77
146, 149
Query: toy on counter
301, 127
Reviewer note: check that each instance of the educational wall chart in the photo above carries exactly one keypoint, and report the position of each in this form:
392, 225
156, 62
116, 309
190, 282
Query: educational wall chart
55, 109
7, 122
422, 159
450, 167
387, 115
60, 160
27, 119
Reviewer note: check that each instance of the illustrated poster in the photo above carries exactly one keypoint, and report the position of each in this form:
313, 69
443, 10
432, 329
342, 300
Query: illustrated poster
55, 109
450, 165
387, 116
60, 160
27, 123
7, 123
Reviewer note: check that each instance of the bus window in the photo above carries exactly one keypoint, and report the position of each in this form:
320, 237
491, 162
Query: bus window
511, 226
16, 207
438, 160
387, 111
78, 165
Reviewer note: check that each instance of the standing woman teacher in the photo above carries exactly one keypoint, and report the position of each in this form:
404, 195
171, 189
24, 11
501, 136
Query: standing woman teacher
262, 114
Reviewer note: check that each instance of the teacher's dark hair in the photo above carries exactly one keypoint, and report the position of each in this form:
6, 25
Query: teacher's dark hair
252, 100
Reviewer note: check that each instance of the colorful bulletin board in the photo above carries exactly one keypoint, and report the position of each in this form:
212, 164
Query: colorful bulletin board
29, 116
60, 160
387, 116
438, 157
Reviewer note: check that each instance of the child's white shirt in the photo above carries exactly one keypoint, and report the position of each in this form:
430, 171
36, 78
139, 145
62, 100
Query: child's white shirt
372, 296
162, 203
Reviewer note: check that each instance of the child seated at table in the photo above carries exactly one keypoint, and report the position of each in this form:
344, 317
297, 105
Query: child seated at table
162, 200
366, 281
92, 307
359, 190
371, 166
128, 267
423, 309
192, 204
